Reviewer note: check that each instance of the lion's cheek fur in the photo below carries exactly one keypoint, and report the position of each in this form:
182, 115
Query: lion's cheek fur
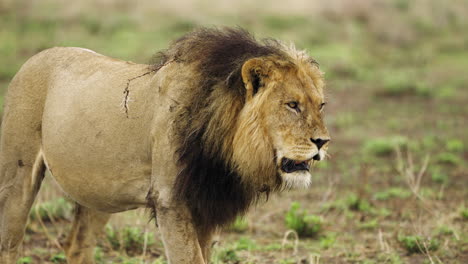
253, 155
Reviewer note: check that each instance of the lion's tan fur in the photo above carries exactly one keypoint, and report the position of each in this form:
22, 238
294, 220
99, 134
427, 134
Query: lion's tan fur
118, 135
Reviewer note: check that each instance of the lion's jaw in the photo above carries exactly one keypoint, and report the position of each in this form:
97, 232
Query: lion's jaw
294, 167
297, 179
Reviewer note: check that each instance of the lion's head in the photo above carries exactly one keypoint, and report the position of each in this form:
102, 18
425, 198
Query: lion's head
281, 128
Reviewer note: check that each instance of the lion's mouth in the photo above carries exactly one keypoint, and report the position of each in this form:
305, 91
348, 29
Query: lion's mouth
288, 165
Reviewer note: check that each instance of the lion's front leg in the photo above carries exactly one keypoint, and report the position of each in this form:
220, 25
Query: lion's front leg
179, 234
205, 238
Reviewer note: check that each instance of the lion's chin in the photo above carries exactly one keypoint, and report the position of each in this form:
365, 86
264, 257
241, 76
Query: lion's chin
298, 179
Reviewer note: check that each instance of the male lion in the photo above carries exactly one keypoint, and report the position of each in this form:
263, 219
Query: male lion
217, 122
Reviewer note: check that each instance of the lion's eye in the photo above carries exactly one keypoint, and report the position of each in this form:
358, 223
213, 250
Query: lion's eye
321, 106
293, 105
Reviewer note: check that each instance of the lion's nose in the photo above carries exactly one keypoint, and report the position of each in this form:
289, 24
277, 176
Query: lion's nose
319, 142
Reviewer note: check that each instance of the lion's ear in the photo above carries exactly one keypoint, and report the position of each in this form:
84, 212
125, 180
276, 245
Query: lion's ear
253, 74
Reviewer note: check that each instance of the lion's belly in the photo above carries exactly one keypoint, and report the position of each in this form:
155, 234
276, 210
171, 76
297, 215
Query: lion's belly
108, 191
103, 171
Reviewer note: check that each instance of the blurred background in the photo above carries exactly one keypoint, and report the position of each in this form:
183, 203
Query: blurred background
395, 187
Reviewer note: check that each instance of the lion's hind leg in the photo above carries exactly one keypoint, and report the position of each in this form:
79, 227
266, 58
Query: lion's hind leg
87, 224
20, 180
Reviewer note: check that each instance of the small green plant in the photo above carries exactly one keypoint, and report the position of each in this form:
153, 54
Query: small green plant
402, 5
56, 209
160, 260
369, 225
130, 260
444, 230
240, 225
24, 260
98, 255
394, 192
134, 238
288, 261
245, 243
131, 239
402, 84
227, 255
439, 176
382, 211
446, 91
273, 247
327, 241
454, 145
448, 158
357, 203
383, 146
418, 244
304, 224
59, 258
464, 213
379, 147
113, 237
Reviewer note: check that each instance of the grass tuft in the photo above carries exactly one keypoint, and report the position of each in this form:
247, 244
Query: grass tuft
24, 260
418, 244
384, 146
52, 210
306, 225
356, 203
449, 158
464, 213
393, 192
454, 145
59, 258
240, 225
130, 239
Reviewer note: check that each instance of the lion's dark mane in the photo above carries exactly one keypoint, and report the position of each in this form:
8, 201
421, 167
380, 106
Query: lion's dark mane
212, 189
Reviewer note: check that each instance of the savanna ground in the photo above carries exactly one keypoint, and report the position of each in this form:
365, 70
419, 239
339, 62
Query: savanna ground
394, 189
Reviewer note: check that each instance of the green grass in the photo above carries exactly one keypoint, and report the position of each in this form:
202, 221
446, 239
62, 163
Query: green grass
226, 256
356, 203
24, 260
383, 146
399, 84
449, 158
439, 175
230, 253
240, 225
454, 145
369, 225
328, 240
418, 244
464, 213
393, 192
306, 225
59, 258
52, 210
130, 239
444, 230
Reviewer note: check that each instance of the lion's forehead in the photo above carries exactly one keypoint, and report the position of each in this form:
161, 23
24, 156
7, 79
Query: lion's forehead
301, 88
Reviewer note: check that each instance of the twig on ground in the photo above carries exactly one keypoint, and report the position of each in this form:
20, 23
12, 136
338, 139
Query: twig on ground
408, 172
